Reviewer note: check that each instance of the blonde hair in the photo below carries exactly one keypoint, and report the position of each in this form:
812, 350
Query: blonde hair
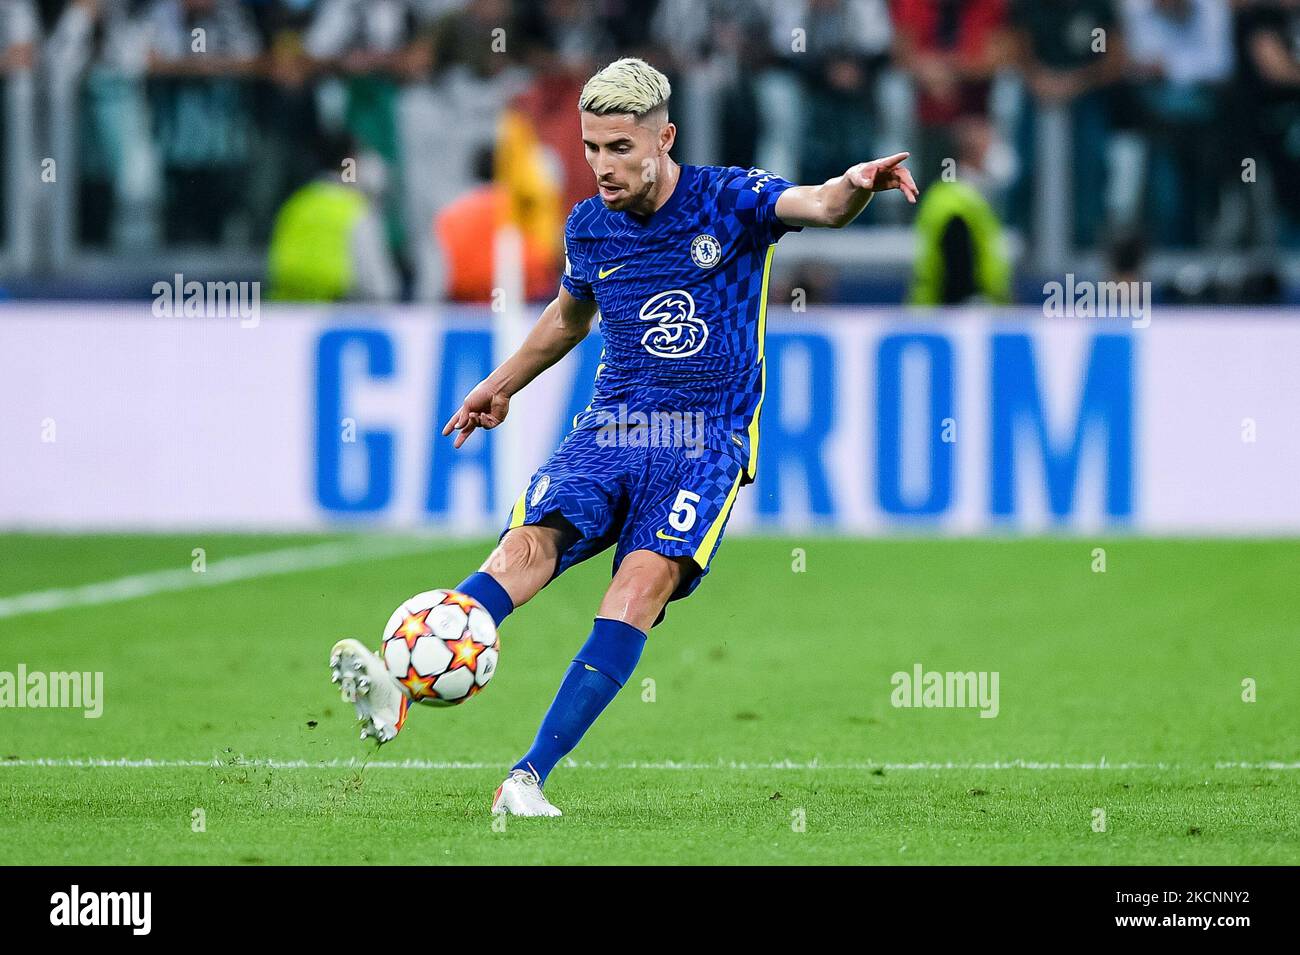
629, 85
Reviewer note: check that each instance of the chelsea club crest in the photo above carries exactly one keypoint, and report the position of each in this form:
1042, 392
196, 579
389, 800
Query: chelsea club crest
540, 490
705, 251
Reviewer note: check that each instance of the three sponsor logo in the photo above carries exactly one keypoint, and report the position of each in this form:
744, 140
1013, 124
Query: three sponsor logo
677, 331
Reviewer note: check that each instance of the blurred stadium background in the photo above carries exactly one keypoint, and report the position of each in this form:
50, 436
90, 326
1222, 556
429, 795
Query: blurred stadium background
147, 137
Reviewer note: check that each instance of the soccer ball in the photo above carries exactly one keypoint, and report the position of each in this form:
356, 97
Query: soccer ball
442, 646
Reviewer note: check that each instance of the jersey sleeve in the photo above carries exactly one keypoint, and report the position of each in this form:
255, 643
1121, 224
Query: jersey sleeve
749, 195
576, 279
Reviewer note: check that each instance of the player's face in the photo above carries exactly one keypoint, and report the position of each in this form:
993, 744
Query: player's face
626, 157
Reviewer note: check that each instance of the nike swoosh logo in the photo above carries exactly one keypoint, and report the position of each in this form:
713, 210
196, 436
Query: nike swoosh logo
606, 273
669, 537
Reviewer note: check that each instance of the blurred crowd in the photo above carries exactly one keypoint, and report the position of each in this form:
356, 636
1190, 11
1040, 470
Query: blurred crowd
197, 121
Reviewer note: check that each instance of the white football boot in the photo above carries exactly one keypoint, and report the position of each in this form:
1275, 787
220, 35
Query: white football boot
380, 701
521, 795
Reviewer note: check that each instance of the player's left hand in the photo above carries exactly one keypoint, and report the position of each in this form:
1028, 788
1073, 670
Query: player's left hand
881, 175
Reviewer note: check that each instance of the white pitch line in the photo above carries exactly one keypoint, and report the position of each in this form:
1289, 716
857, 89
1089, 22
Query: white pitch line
426, 765
270, 563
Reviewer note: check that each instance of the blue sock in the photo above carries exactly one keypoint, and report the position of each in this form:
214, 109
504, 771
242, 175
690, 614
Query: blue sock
484, 588
595, 676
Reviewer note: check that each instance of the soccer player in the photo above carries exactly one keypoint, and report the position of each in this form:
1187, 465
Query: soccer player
676, 259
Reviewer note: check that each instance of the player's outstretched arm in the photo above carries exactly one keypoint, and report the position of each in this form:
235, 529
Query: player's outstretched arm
837, 202
563, 324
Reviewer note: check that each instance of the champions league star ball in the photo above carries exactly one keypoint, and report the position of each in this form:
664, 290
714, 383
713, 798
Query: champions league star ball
442, 646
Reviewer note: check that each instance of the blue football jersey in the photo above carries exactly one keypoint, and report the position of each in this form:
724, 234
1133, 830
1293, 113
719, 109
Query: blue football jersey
682, 296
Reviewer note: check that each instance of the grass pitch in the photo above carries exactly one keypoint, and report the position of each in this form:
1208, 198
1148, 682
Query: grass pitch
766, 735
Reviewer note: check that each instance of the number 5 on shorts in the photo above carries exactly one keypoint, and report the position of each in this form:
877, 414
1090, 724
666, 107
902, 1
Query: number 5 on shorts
683, 513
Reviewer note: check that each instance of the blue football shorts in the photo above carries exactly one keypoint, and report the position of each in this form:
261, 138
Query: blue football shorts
618, 488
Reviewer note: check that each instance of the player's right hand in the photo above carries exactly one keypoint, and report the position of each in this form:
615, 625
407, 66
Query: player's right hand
484, 407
